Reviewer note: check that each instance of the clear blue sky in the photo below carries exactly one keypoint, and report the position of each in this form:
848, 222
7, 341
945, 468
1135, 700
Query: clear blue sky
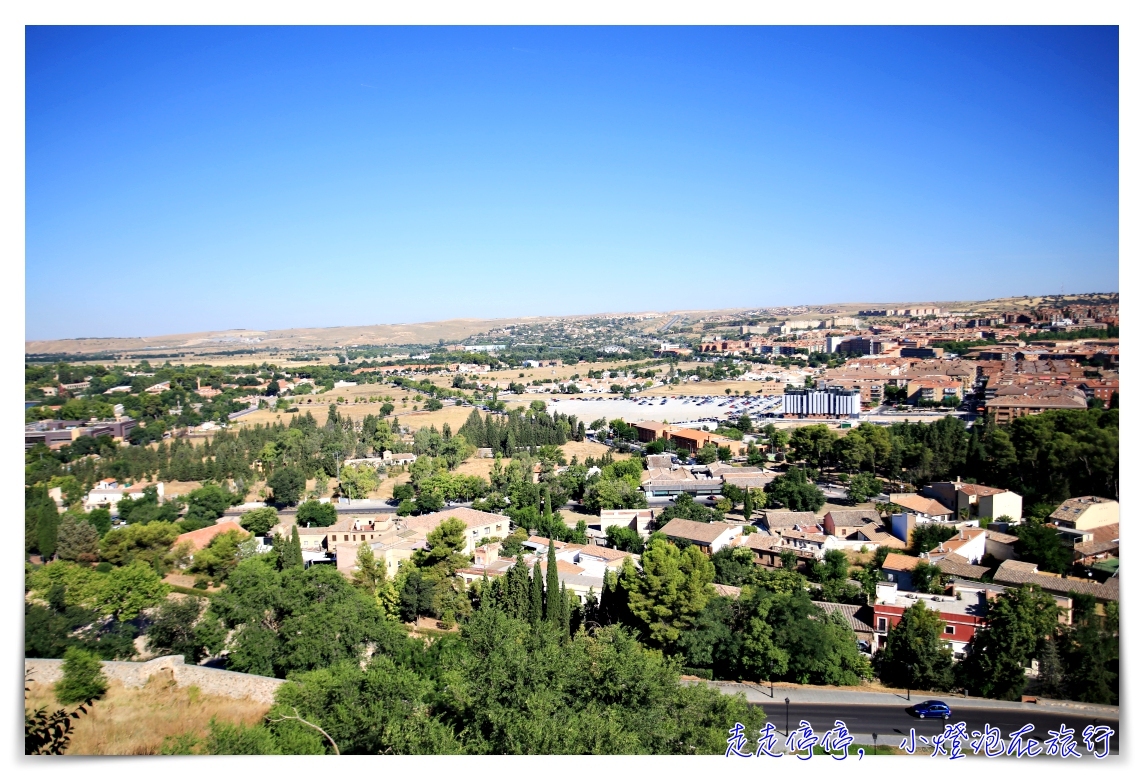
184, 179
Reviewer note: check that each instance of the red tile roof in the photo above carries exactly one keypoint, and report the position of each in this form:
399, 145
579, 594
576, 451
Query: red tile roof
202, 537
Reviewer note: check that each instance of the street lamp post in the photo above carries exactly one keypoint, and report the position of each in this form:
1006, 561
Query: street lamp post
909, 679
875, 743
788, 716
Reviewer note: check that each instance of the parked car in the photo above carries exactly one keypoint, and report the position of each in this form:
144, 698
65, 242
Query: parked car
931, 709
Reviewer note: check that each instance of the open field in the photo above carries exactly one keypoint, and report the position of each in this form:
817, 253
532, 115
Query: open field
135, 721
454, 415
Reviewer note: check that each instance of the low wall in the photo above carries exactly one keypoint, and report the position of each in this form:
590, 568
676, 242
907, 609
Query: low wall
132, 674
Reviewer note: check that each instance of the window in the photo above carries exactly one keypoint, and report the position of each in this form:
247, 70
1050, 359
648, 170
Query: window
881, 624
949, 629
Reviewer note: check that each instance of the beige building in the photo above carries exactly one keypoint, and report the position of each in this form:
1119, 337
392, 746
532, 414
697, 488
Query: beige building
1086, 512
639, 520
979, 500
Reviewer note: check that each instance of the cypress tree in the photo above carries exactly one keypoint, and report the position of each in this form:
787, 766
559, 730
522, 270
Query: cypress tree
748, 505
46, 529
536, 605
517, 592
295, 549
564, 623
548, 509
552, 605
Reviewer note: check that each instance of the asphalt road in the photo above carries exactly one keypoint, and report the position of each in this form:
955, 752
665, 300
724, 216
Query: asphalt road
892, 723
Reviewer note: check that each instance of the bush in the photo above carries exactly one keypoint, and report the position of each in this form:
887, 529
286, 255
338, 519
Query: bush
83, 677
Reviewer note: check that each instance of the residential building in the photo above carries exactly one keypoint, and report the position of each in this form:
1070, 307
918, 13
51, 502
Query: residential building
977, 500
778, 520
766, 547
843, 522
1084, 513
859, 618
898, 569
1021, 572
1000, 545
962, 617
831, 402
1094, 546
478, 525
200, 538
642, 521
708, 537
932, 389
968, 544
108, 493
1015, 401
808, 542
926, 509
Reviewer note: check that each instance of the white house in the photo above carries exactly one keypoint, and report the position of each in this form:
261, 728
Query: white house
109, 493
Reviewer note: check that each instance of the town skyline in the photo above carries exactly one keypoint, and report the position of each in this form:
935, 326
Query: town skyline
272, 177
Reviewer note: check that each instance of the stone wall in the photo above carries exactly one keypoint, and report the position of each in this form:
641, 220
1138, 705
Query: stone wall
132, 674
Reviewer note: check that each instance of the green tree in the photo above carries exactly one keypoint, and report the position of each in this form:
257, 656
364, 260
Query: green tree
1017, 624
47, 528
100, 520
613, 494
914, 654
218, 559
259, 521
359, 481
289, 550
287, 484
794, 491
128, 590
863, 487
82, 678
733, 565
1050, 674
552, 586
706, 454
928, 536
623, 538
206, 505
445, 545
671, 590
927, 578
1040, 544
748, 505
813, 444
76, 540
536, 595
316, 514
1091, 652
172, 629
147, 542
370, 577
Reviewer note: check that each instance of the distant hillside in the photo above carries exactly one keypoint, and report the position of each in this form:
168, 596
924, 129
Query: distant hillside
302, 340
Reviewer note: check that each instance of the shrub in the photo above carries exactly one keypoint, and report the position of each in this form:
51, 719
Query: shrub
83, 677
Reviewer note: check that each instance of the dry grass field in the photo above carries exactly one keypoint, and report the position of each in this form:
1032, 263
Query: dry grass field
134, 721
586, 449
737, 387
